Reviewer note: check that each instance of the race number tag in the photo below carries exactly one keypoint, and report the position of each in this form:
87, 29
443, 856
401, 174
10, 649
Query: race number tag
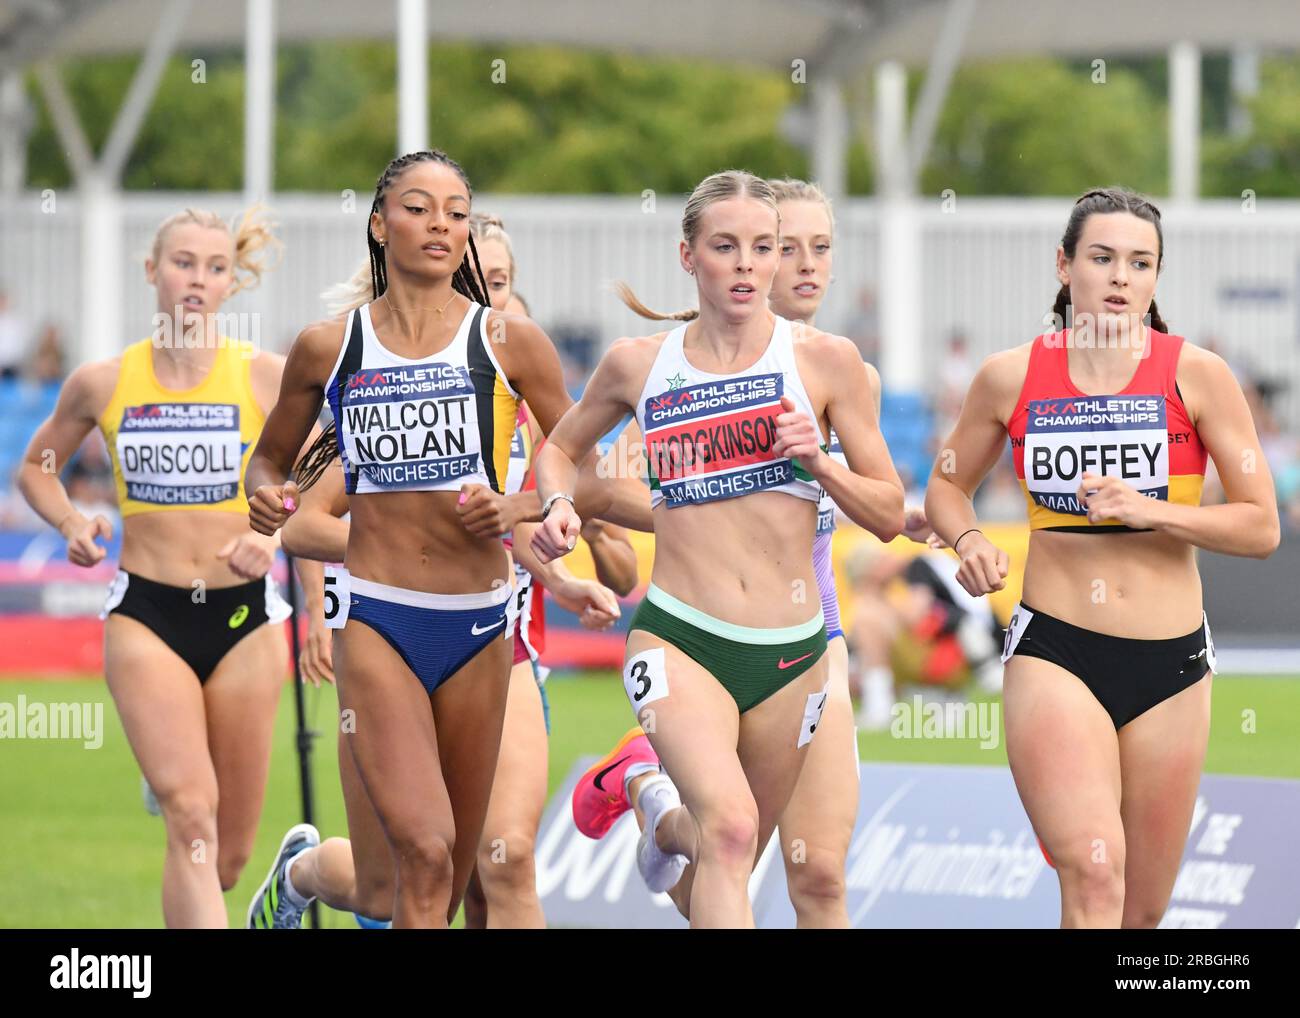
645, 678
338, 597
1020, 619
812, 717
1210, 659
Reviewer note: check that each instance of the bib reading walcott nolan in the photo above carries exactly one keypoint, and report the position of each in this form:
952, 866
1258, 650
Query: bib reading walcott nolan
428, 424
710, 437
1142, 435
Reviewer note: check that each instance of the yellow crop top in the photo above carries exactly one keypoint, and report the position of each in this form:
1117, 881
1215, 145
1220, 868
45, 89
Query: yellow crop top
182, 448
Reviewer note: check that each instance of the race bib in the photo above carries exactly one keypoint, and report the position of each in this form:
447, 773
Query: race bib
714, 440
645, 679
812, 716
180, 453
410, 425
1020, 619
1113, 436
338, 597
1210, 658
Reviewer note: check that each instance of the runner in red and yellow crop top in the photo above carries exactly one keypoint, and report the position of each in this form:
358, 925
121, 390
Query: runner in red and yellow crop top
1108, 655
1142, 434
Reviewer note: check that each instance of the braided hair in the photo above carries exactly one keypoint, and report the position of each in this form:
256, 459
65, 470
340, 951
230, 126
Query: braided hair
1108, 199
467, 282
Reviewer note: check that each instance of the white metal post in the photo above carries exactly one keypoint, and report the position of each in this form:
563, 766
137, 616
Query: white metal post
1184, 121
412, 76
259, 100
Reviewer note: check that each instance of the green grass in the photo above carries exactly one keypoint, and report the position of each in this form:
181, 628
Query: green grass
79, 850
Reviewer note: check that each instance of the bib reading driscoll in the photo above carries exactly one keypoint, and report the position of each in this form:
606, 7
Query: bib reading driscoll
433, 424
1141, 434
710, 437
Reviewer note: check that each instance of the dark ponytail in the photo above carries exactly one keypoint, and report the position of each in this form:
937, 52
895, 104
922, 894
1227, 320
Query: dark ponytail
1102, 200
469, 282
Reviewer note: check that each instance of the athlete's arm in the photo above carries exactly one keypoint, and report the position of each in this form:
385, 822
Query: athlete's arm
1246, 523
868, 491
594, 604
529, 360
606, 399
613, 555
288, 425
967, 456
316, 658
315, 530
619, 479
81, 399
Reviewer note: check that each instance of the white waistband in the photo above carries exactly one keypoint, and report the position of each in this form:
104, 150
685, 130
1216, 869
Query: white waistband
422, 599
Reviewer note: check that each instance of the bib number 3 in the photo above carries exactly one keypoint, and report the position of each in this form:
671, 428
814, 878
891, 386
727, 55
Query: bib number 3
338, 597
645, 679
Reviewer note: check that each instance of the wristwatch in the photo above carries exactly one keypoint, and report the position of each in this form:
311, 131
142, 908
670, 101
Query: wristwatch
546, 506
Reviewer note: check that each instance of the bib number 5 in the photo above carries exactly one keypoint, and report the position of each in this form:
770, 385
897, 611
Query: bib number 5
338, 597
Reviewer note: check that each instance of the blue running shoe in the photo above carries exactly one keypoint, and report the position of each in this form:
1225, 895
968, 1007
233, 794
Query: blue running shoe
271, 908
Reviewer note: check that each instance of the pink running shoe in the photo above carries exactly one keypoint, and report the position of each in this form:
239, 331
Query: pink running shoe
600, 798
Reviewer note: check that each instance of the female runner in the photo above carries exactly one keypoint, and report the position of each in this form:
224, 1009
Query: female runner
425, 383
724, 660
193, 667
1108, 655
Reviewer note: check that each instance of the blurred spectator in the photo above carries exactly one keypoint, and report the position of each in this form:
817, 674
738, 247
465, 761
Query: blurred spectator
863, 327
956, 372
1001, 497
46, 363
13, 338
913, 624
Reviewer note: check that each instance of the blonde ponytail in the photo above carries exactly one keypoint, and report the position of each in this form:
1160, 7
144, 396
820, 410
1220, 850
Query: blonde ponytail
347, 296
629, 298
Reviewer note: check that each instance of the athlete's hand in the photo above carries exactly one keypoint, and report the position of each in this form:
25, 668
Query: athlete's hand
316, 660
983, 567
1109, 498
593, 603
249, 555
917, 528
797, 436
558, 533
271, 505
81, 533
483, 512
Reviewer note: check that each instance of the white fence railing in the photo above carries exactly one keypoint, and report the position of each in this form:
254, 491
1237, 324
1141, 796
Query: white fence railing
987, 268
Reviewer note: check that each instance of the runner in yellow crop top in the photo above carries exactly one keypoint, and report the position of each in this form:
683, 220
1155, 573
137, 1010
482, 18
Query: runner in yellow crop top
195, 672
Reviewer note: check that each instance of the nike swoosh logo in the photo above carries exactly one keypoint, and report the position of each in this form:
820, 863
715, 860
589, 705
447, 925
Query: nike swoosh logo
602, 774
783, 663
479, 632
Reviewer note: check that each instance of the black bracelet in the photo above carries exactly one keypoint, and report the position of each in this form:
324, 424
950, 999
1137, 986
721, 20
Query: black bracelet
973, 530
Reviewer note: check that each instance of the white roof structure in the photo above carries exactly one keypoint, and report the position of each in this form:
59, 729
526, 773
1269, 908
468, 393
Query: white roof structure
824, 42
767, 32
